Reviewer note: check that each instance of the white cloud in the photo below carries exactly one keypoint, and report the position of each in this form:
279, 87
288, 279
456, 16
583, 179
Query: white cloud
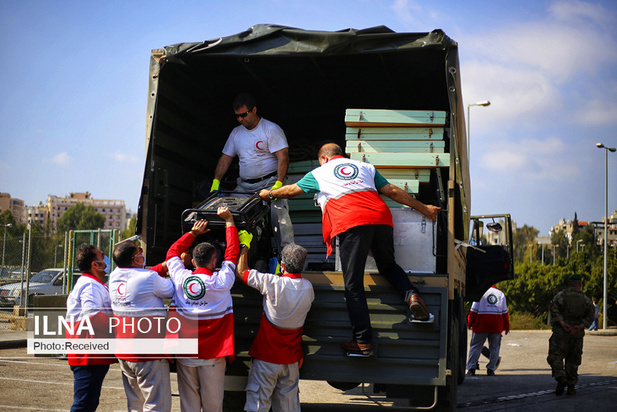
598, 112
124, 158
555, 67
62, 159
540, 160
578, 12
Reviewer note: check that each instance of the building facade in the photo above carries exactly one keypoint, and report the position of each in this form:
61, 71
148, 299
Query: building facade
16, 206
114, 211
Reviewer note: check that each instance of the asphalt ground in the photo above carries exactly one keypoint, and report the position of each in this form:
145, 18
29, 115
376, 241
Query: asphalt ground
522, 383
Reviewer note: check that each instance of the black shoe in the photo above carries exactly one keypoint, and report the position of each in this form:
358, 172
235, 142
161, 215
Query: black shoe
477, 366
571, 390
490, 372
471, 372
561, 385
354, 348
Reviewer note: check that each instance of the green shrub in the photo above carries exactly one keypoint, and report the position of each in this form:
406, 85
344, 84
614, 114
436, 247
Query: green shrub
527, 321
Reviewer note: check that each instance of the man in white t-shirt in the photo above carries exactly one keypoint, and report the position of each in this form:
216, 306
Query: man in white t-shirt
137, 299
276, 351
263, 154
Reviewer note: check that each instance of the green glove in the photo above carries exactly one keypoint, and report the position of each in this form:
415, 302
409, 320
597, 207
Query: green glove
245, 238
215, 185
277, 185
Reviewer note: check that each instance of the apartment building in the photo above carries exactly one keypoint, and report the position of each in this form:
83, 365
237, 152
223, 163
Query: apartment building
114, 211
16, 206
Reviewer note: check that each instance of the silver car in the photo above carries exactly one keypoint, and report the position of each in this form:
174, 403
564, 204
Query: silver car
46, 282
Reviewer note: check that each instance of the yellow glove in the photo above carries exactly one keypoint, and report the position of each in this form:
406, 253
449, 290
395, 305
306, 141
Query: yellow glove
245, 238
215, 185
277, 185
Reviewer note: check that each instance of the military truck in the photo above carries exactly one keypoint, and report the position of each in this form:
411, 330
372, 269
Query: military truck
339, 87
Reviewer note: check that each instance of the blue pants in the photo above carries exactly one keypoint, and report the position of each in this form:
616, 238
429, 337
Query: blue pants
87, 386
354, 246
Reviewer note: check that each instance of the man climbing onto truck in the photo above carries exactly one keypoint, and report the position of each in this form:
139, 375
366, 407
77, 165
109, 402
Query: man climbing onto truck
348, 194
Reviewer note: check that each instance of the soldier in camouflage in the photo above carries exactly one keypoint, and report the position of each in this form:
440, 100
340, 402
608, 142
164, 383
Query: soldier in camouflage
571, 313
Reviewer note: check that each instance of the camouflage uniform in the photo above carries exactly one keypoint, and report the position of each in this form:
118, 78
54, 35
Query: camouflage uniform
574, 308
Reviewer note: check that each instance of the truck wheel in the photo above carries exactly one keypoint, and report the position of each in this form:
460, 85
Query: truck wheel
233, 401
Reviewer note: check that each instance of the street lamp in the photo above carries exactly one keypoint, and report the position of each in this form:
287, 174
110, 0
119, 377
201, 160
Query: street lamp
4, 243
482, 103
577, 242
604, 296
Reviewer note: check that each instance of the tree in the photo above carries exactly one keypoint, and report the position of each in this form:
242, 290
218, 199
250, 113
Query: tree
80, 217
560, 244
521, 240
127, 233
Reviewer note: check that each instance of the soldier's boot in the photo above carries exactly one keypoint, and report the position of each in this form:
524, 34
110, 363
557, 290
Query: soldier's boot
561, 385
571, 390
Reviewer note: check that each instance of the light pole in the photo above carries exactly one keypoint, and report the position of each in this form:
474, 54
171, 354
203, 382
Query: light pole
56, 254
577, 242
4, 243
483, 103
604, 296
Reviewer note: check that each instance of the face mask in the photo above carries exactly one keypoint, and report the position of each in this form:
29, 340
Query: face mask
107, 264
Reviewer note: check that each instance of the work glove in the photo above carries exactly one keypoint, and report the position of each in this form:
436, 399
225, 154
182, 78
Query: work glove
215, 185
277, 185
245, 238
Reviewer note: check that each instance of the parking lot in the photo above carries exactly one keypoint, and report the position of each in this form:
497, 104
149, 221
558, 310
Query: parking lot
523, 382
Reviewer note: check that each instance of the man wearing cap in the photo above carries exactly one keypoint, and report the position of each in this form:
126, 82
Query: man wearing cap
571, 313
263, 154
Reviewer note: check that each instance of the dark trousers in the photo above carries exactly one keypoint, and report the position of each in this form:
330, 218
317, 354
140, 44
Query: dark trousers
87, 386
354, 246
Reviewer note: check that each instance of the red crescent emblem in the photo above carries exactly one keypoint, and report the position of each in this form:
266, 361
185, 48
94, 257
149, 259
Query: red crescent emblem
257, 145
345, 172
121, 289
191, 288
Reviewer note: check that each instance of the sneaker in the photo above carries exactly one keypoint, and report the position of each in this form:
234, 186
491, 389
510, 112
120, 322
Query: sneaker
471, 372
354, 348
490, 372
418, 308
561, 385
571, 390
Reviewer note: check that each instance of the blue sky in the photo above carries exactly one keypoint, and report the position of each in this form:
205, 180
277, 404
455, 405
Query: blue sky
73, 77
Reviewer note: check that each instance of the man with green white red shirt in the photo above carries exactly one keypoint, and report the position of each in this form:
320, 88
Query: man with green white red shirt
348, 194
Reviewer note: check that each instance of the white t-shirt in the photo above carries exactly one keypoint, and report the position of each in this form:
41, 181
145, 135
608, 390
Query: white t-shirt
138, 292
255, 148
87, 298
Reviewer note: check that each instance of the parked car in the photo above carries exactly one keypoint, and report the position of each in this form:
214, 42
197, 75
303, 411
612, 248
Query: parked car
46, 282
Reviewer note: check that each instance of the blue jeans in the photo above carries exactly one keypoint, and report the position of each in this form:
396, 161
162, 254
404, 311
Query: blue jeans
594, 325
87, 386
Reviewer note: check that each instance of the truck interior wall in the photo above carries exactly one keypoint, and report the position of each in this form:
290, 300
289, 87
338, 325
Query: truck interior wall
306, 95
